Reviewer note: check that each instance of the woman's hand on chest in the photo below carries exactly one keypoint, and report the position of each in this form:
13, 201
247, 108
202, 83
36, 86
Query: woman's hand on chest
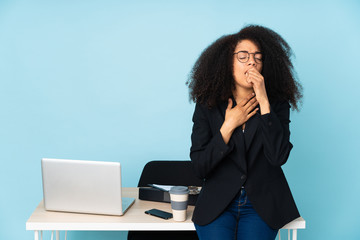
238, 115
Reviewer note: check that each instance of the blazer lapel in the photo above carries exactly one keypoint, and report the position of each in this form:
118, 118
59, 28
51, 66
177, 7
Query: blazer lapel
239, 156
250, 129
222, 109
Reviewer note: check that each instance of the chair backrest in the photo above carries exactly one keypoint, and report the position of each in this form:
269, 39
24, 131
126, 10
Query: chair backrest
178, 173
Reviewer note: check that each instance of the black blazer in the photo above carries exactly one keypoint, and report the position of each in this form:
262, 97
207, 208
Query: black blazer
252, 159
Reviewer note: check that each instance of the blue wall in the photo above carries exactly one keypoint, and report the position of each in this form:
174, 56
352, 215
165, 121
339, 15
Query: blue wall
105, 80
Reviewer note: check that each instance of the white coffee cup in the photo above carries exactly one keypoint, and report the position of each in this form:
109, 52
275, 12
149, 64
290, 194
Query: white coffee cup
179, 196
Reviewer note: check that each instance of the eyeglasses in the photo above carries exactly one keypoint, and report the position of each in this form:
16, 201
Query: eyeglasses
244, 56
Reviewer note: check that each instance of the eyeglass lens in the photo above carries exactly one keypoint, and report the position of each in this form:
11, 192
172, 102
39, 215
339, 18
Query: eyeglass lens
244, 56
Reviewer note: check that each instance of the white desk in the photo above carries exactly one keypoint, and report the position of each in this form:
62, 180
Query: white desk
134, 219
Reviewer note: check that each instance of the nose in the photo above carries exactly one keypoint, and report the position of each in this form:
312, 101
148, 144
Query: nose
251, 61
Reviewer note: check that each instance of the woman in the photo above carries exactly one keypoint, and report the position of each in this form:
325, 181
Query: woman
243, 86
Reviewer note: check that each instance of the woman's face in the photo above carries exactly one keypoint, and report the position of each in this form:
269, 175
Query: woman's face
240, 68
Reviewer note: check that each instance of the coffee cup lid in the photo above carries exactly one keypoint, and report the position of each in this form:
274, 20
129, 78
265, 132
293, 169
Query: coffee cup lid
179, 190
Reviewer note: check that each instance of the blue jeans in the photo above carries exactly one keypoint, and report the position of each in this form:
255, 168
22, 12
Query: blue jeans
239, 221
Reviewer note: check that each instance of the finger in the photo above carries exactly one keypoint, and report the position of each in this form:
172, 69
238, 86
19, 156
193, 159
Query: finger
230, 104
255, 81
256, 75
251, 104
253, 78
252, 113
249, 71
250, 80
253, 70
246, 99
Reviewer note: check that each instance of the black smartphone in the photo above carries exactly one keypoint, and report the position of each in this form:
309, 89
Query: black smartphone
159, 213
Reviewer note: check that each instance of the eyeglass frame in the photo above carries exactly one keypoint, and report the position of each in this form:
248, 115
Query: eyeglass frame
248, 56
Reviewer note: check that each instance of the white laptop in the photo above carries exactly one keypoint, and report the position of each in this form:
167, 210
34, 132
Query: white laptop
83, 187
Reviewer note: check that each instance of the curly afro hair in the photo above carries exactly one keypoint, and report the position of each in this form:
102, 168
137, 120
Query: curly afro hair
211, 79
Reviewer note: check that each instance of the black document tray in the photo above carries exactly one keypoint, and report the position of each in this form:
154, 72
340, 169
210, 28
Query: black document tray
157, 195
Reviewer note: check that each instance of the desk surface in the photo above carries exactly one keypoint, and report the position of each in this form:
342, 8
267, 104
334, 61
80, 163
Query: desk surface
134, 218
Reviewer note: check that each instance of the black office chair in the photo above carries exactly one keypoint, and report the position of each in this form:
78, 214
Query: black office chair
167, 173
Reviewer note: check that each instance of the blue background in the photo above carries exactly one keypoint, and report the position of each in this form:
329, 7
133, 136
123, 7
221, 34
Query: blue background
105, 80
